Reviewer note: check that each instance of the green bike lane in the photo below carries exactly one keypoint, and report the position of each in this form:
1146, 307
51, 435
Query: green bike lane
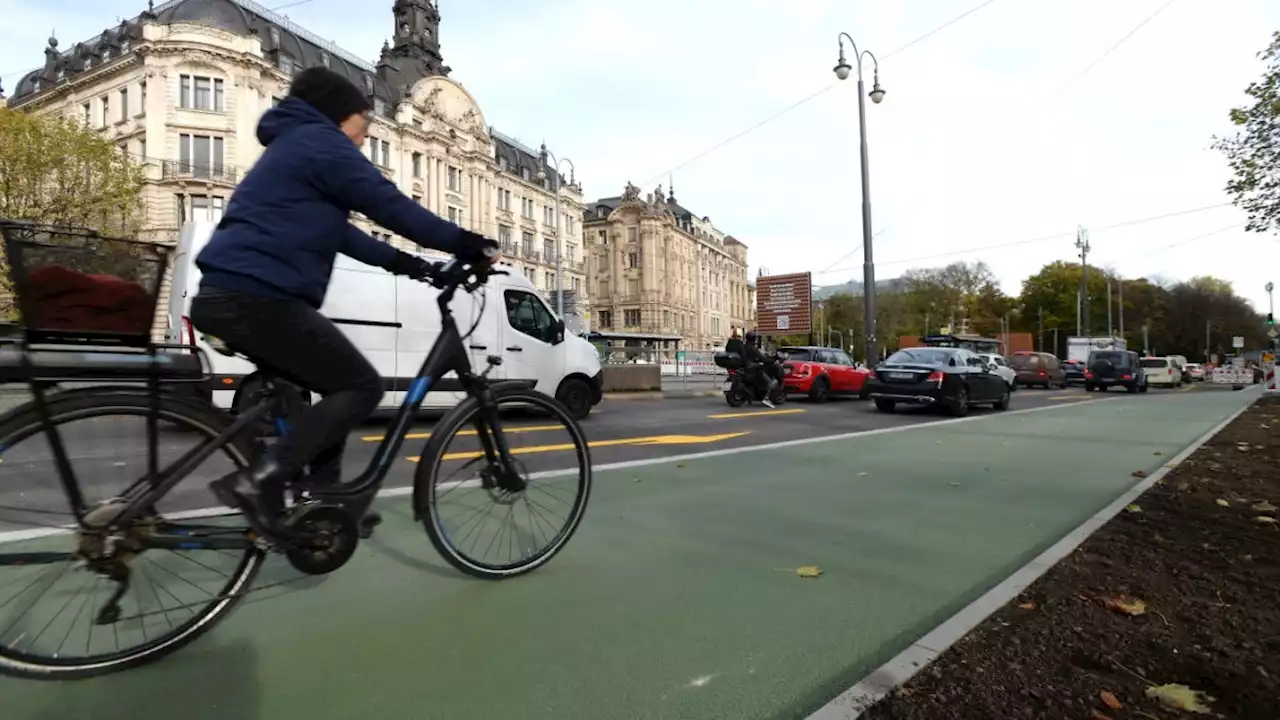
677, 598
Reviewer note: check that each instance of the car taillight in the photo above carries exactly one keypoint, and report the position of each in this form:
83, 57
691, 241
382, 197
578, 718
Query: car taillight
190, 331
1042, 372
1127, 376
935, 376
1088, 374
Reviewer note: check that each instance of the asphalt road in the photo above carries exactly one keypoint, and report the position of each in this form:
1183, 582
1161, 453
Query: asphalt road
109, 454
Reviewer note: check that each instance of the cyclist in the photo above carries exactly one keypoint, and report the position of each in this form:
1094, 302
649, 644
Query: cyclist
266, 269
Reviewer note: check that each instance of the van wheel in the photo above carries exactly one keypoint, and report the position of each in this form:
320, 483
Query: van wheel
575, 395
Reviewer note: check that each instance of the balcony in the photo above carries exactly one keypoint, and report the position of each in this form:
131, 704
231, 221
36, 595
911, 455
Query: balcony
178, 170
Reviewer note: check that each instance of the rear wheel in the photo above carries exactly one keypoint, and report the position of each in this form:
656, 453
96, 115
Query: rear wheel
820, 390
123, 600
959, 406
736, 395
1003, 402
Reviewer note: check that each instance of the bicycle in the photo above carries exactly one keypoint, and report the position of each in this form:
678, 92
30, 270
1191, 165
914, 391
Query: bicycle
111, 537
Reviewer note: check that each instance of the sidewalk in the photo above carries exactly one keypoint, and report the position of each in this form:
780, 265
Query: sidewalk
678, 597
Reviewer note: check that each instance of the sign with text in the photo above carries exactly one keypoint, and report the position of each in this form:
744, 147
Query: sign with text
784, 304
1237, 341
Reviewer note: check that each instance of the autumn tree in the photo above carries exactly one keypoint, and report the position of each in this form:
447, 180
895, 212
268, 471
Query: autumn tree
948, 292
53, 171
1253, 152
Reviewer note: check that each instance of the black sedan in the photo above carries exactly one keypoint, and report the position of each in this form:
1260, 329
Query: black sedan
950, 378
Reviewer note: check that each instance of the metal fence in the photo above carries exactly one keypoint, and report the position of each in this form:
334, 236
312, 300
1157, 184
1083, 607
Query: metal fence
682, 370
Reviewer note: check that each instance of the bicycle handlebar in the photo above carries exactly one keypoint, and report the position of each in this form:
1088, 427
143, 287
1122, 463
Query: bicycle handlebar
450, 275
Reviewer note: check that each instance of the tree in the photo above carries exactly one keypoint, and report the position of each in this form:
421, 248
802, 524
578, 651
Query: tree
1253, 153
55, 172
947, 292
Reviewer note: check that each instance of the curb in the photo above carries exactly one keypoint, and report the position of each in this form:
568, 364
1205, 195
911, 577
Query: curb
876, 685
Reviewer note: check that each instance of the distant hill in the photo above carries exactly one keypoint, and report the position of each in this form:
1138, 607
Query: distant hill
854, 287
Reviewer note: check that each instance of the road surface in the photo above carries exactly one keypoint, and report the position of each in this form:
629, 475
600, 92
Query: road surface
678, 597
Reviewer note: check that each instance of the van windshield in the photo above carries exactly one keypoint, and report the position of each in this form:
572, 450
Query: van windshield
1155, 362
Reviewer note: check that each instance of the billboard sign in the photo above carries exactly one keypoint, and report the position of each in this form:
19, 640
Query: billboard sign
784, 304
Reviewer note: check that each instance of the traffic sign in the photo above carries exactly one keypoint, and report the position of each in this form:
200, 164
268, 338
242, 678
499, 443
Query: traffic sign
1237, 341
1272, 333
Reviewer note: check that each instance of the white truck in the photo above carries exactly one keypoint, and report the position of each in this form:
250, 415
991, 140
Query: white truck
1078, 348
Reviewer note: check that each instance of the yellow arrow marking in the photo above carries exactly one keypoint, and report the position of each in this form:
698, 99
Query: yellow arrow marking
756, 413
505, 431
654, 440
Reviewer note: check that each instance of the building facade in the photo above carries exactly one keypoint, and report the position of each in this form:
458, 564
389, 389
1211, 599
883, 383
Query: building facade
181, 87
660, 271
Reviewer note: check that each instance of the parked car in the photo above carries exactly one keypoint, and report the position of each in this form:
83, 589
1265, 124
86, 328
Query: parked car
1107, 368
1161, 371
1195, 371
1074, 371
950, 378
998, 366
820, 372
1038, 368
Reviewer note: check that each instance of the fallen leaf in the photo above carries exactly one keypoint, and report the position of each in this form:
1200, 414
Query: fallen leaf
955, 484
1139, 473
808, 571
1222, 502
1242, 448
679, 464
1029, 605
1110, 700
1128, 606
1099, 716
1133, 508
1265, 519
1264, 507
1180, 697
1157, 453
862, 474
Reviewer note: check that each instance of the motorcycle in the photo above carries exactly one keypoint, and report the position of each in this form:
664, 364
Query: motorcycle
739, 391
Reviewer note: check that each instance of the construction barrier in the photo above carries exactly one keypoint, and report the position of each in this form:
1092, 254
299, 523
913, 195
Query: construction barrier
1269, 383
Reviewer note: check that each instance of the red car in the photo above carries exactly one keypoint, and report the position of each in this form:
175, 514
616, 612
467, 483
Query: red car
820, 372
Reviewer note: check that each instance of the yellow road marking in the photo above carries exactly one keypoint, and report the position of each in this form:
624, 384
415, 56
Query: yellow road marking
654, 440
756, 413
505, 431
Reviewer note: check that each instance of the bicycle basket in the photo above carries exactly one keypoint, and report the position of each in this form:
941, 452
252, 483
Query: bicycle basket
75, 286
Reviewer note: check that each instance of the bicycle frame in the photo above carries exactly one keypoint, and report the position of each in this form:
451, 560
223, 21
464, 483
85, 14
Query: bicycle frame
447, 354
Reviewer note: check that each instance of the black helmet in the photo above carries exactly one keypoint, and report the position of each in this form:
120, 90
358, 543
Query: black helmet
751, 336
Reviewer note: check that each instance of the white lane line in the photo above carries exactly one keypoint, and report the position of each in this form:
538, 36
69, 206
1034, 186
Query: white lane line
851, 703
20, 535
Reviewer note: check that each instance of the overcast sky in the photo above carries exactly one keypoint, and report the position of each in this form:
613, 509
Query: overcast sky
989, 135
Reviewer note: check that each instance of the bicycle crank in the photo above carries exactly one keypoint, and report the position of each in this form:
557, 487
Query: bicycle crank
332, 535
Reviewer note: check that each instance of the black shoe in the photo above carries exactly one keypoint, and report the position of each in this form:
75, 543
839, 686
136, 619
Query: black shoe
371, 520
259, 496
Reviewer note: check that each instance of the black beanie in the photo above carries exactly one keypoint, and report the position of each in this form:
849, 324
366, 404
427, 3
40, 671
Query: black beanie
336, 97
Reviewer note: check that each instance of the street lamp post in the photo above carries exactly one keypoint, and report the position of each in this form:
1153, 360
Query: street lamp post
842, 71
542, 175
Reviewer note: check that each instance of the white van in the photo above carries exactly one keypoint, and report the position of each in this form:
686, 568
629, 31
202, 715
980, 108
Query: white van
394, 321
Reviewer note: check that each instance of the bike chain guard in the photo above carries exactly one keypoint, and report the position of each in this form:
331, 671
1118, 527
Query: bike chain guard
332, 536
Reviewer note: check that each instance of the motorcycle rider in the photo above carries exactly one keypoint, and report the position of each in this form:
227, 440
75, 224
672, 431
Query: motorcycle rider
754, 368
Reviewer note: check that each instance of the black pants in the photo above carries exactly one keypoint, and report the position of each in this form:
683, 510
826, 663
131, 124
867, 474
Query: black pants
759, 377
292, 341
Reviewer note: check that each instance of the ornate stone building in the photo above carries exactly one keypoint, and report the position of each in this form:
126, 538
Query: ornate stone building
660, 271
181, 87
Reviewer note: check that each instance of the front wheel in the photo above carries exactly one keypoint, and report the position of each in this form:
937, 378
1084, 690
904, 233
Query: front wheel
505, 526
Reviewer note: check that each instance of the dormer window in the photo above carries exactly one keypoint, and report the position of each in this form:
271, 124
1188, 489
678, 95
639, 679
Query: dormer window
324, 59
286, 65
275, 36
502, 164
124, 45
368, 84
62, 74
379, 107
106, 54
524, 173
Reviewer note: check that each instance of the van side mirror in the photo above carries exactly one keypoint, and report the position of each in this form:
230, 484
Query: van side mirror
557, 332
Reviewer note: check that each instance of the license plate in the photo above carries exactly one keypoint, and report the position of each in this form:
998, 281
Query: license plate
727, 385
901, 375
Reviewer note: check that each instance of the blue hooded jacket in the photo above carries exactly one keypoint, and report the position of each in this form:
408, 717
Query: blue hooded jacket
289, 217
